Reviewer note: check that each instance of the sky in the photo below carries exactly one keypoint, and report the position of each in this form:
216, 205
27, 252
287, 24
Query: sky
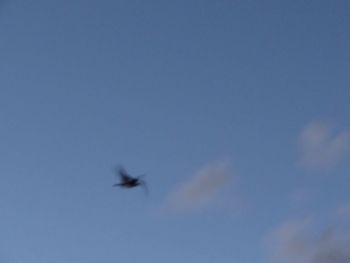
236, 111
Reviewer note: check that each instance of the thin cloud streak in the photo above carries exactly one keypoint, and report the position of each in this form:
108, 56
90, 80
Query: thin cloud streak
321, 148
296, 241
201, 189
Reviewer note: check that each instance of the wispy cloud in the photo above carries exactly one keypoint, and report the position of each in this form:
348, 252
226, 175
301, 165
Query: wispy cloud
322, 148
201, 189
297, 241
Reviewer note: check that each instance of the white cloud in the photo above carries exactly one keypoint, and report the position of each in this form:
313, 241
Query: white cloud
297, 241
200, 190
321, 148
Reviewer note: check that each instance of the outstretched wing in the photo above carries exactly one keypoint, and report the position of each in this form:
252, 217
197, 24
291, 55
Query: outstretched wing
144, 186
123, 174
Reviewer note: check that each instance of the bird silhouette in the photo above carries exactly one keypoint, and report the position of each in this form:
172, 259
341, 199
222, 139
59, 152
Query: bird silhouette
127, 181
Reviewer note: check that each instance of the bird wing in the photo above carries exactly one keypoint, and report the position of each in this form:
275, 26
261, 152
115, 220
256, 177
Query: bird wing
144, 186
123, 174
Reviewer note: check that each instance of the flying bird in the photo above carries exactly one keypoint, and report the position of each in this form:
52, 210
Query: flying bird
127, 181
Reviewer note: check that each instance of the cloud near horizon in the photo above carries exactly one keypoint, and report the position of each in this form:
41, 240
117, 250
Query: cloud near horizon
321, 148
296, 241
201, 189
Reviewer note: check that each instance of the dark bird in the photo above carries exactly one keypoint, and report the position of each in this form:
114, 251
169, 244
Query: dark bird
127, 181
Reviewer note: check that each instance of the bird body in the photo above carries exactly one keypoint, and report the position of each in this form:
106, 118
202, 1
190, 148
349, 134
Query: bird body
127, 181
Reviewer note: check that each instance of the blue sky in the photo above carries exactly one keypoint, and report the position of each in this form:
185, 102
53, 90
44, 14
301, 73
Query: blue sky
238, 111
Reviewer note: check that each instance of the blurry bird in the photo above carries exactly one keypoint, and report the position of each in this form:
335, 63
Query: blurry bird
127, 181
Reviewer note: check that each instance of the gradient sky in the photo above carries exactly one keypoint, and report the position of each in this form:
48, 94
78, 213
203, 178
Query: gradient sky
238, 111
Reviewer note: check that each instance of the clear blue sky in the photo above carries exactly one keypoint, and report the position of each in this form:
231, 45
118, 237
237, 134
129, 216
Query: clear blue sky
165, 88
